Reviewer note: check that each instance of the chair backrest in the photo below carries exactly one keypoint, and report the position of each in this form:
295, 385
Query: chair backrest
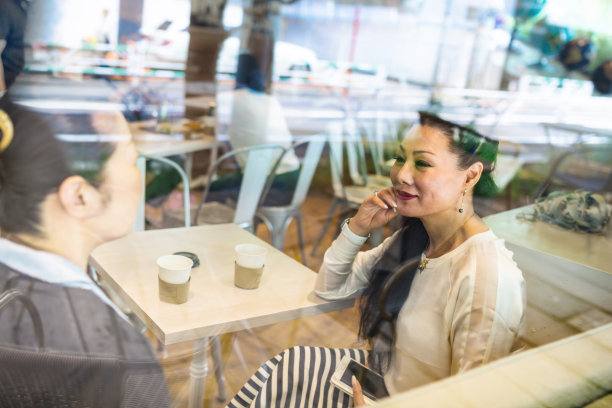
355, 152
185, 180
257, 176
346, 136
30, 378
308, 166
33, 377
343, 136
587, 173
375, 135
12, 295
336, 142
382, 138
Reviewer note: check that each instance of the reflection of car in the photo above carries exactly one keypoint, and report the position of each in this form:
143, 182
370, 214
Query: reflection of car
353, 75
168, 41
290, 60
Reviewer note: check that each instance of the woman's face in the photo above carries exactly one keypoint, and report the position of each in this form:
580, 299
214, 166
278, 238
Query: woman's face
120, 193
426, 176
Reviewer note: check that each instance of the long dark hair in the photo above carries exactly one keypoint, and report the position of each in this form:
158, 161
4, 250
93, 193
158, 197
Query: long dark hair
394, 272
35, 163
407, 245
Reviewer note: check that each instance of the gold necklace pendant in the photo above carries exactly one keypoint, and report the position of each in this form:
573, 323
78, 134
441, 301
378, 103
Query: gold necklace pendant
424, 259
423, 264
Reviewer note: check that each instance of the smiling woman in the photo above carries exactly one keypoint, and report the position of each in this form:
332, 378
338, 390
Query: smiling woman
457, 298
65, 189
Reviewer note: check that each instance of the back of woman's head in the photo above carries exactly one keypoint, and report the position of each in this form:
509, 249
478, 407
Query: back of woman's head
248, 73
34, 163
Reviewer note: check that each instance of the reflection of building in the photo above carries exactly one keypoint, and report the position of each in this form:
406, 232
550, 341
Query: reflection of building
411, 40
61, 22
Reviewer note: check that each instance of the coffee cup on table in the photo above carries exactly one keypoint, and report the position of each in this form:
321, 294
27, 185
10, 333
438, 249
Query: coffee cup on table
249, 265
174, 276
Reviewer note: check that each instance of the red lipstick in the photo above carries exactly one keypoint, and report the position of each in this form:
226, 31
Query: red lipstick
403, 195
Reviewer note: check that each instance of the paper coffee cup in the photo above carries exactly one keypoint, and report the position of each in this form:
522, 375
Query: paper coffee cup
247, 278
174, 277
249, 265
250, 255
173, 293
175, 269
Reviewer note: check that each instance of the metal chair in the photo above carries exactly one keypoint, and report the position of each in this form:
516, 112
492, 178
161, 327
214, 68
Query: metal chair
348, 197
184, 178
30, 378
255, 180
381, 138
357, 160
585, 173
277, 218
34, 377
10, 295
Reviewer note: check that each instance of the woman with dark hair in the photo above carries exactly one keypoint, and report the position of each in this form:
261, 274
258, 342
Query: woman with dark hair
461, 305
63, 191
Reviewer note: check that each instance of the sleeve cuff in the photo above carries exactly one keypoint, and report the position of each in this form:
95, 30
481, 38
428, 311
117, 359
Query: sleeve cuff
354, 238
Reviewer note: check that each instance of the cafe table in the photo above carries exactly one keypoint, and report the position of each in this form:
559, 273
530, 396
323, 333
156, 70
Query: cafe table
589, 250
214, 306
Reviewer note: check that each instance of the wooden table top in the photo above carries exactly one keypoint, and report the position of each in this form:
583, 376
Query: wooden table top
215, 306
591, 250
159, 144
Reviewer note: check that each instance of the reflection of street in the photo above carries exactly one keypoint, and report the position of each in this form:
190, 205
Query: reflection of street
308, 108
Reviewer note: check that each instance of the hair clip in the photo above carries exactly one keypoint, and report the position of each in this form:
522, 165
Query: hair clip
6, 131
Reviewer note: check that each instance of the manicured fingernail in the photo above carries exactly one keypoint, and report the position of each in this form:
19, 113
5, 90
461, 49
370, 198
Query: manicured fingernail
353, 380
395, 209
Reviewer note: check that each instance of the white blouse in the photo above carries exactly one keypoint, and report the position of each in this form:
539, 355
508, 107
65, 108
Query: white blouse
465, 309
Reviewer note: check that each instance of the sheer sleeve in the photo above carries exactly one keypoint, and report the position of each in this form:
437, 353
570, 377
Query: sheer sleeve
346, 270
488, 312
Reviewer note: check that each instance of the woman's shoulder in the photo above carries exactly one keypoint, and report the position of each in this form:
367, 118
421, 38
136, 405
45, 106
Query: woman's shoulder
73, 316
486, 254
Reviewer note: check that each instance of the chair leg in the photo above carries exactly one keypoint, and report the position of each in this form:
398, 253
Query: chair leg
215, 349
256, 222
328, 218
298, 222
278, 228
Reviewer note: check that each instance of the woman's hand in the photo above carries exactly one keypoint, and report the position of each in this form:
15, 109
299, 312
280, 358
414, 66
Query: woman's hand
375, 211
358, 400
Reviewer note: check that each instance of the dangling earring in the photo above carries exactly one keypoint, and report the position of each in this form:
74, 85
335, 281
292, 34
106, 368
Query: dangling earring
462, 197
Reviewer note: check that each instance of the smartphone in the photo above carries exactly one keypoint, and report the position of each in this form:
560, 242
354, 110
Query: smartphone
372, 383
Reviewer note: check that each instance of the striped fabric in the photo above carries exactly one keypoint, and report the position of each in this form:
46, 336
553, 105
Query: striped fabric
297, 377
